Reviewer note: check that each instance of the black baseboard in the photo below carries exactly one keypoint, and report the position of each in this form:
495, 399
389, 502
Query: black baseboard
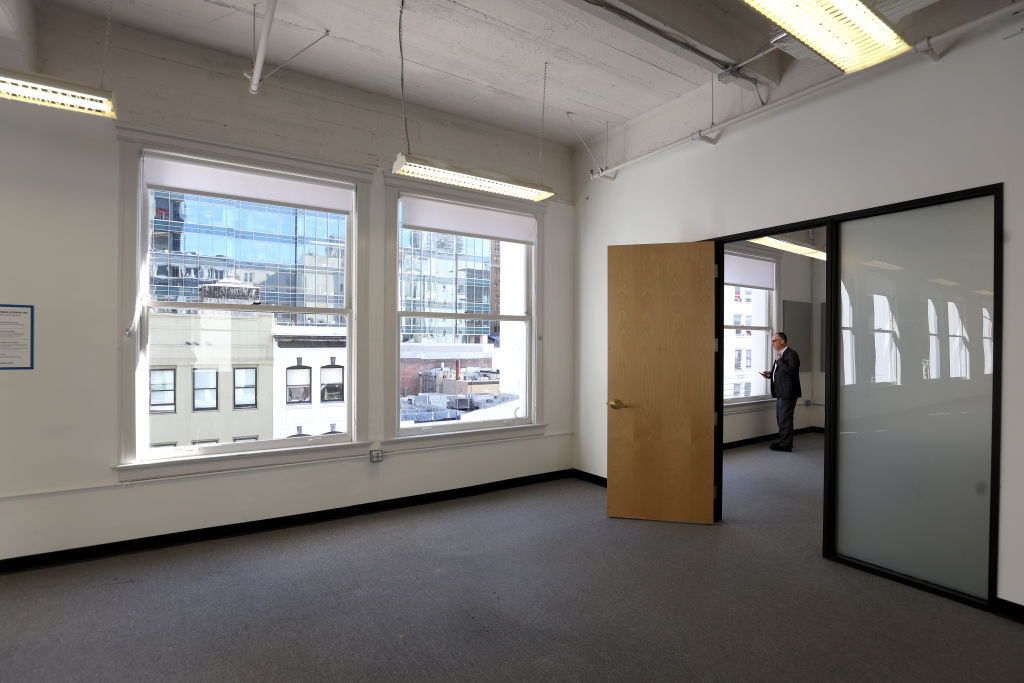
771, 437
1010, 610
591, 478
93, 552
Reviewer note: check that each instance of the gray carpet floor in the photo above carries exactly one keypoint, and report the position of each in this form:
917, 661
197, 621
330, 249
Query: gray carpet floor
527, 583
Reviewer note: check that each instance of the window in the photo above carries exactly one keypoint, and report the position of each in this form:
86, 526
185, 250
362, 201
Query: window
986, 339
245, 388
241, 439
332, 382
932, 366
959, 354
846, 324
298, 384
464, 286
887, 352
750, 279
161, 391
219, 239
204, 388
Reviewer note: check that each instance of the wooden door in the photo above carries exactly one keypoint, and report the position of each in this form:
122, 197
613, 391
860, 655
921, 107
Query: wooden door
661, 382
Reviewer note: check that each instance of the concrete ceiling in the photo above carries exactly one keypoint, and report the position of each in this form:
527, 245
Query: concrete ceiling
485, 59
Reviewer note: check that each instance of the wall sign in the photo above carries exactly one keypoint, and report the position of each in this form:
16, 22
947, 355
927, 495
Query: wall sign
17, 331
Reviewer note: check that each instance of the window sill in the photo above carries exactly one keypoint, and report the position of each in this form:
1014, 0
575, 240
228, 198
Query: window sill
230, 462
753, 403
419, 442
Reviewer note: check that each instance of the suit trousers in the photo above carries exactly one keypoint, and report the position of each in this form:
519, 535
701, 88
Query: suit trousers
784, 408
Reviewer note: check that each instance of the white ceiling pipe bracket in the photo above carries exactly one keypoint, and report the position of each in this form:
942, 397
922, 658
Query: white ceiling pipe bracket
261, 50
923, 47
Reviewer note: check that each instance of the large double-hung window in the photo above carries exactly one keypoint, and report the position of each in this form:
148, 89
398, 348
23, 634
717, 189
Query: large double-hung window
750, 306
465, 316
242, 271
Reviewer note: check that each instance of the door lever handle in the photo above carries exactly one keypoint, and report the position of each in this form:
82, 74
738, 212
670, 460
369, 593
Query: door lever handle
616, 404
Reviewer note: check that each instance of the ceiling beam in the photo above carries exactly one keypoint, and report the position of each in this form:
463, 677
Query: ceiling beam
726, 29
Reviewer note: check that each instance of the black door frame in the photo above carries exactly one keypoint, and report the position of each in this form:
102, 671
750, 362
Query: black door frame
832, 297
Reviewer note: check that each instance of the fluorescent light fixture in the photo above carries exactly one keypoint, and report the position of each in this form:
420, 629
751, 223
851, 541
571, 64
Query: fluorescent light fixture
441, 172
983, 292
50, 92
947, 283
789, 246
882, 265
844, 32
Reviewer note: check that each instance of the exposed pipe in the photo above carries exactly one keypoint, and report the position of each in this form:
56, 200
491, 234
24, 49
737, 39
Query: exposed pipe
261, 51
925, 46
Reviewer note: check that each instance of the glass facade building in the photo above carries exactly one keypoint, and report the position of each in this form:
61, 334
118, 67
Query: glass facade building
295, 256
446, 273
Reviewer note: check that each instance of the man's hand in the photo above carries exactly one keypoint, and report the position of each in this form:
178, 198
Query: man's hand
766, 374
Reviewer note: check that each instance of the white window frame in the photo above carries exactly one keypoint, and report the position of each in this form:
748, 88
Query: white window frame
133, 141
456, 432
752, 252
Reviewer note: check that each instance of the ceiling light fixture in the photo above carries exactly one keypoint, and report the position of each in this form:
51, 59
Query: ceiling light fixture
776, 243
51, 92
845, 32
441, 172
449, 174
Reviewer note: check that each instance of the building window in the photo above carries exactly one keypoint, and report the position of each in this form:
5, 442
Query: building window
298, 384
245, 388
204, 389
751, 281
332, 382
161, 391
242, 439
200, 442
222, 238
465, 315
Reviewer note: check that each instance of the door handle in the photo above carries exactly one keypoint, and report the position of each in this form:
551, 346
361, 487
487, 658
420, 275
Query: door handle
616, 404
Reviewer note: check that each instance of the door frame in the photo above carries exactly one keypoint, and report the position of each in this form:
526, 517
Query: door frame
832, 298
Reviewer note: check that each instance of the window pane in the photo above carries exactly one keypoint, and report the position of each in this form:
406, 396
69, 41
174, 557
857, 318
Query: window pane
332, 384
441, 273
754, 311
747, 355
253, 351
230, 236
245, 397
453, 370
914, 452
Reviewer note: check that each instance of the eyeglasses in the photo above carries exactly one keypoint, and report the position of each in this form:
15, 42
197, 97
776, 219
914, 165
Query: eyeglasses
776, 340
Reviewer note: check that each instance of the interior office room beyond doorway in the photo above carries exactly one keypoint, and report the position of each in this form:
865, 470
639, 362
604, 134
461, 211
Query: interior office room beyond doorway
772, 283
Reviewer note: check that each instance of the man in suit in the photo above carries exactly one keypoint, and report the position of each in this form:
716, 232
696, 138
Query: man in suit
785, 377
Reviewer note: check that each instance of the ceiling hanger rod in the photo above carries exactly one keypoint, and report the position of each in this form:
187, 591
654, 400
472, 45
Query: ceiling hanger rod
261, 51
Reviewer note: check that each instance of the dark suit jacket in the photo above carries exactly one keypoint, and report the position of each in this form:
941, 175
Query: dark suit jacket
786, 375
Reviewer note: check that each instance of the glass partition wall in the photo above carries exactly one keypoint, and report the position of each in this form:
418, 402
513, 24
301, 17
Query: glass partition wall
916, 414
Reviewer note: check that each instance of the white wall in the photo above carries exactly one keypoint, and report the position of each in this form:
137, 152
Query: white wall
908, 129
60, 423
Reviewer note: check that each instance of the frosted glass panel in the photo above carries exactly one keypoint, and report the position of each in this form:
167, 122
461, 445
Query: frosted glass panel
914, 448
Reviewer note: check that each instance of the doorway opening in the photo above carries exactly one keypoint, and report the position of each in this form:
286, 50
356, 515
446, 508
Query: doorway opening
773, 283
